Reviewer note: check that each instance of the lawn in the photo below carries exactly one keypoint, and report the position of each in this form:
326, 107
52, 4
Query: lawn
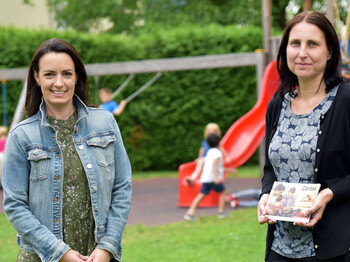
238, 238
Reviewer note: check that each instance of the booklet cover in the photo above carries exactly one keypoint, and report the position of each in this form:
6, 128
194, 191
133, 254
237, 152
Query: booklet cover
288, 201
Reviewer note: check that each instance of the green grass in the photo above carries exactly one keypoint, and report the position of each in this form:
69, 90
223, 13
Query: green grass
244, 171
238, 238
8, 242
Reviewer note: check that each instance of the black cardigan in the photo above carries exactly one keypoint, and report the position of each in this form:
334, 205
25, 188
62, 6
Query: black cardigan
331, 234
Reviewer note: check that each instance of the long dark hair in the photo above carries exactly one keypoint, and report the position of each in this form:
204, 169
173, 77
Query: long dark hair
332, 75
34, 94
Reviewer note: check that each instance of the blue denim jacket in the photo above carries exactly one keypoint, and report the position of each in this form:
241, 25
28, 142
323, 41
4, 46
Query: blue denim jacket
33, 174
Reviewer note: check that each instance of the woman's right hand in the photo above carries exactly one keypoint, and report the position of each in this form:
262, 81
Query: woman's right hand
261, 209
73, 256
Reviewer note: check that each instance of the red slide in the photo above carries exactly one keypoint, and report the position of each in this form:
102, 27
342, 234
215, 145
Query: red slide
240, 141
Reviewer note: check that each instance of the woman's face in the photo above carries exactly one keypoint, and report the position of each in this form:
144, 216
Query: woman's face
57, 78
307, 52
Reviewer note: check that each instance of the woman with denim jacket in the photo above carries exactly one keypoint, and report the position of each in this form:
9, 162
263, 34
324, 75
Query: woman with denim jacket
307, 141
66, 177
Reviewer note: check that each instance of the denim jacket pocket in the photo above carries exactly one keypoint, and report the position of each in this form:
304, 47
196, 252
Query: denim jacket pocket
103, 149
40, 162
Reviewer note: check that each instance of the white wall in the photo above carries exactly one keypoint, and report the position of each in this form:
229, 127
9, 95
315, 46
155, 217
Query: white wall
15, 13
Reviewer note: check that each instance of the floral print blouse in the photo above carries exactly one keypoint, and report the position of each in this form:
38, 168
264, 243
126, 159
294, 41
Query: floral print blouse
78, 221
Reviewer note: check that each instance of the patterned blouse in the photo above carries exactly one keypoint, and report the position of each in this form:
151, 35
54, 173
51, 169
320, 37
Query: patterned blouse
77, 217
292, 153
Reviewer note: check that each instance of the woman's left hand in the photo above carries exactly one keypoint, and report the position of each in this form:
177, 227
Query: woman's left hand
99, 255
316, 211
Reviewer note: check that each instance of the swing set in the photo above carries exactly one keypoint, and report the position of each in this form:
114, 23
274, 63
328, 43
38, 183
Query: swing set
139, 90
157, 66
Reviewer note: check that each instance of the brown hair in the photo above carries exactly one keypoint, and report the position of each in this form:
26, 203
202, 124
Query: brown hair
332, 75
34, 94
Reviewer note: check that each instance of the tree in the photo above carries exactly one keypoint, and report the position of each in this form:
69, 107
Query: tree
128, 16
279, 18
82, 15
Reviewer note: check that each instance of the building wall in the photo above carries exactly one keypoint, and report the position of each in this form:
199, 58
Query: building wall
16, 13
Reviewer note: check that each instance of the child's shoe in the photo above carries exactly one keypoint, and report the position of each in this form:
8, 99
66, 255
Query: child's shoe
234, 203
222, 215
189, 217
231, 197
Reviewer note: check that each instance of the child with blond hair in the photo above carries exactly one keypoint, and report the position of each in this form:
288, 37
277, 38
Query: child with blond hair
210, 128
211, 178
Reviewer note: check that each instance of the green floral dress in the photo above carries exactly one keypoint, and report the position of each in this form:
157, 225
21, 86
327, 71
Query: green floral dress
78, 222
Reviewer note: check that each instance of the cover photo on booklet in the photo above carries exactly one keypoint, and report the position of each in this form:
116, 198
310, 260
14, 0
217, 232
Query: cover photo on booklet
288, 201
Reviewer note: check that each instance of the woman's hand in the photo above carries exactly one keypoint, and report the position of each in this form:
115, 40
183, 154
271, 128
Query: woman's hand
316, 211
99, 255
262, 212
73, 256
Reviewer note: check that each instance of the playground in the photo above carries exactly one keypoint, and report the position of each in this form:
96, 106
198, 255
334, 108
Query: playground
163, 201
159, 196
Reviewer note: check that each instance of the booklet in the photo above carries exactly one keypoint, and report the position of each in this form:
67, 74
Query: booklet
288, 201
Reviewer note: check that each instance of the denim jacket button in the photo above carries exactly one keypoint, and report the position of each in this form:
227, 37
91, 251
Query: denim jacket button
96, 208
95, 188
81, 147
89, 166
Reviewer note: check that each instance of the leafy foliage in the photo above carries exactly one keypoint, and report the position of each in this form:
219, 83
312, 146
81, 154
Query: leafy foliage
163, 126
129, 16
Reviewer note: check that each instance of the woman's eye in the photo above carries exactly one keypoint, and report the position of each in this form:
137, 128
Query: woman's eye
68, 74
294, 43
48, 74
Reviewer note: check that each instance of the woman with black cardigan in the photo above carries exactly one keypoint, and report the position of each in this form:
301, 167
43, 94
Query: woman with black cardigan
308, 141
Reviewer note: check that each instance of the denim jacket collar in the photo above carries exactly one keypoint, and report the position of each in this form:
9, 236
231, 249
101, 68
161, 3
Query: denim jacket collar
83, 110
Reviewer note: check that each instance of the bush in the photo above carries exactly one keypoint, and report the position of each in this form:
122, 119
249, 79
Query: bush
162, 127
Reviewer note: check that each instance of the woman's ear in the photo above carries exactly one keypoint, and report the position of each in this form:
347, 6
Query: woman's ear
36, 76
329, 56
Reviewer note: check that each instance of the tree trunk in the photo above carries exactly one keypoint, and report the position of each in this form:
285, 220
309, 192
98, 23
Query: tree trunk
307, 5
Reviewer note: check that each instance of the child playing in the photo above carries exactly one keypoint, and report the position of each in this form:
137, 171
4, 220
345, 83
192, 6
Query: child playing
109, 104
245, 198
211, 128
211, 178
3, 139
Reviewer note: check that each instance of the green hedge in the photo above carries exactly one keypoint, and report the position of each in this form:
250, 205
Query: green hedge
163, 126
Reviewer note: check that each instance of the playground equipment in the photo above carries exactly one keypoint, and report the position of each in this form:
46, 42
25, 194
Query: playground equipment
240, 141
4, 102
139, 90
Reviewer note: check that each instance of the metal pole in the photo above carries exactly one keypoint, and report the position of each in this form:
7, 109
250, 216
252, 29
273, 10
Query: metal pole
97, 81
266, 21
330, 11
4, 102
120, 88
20, 109
260, 68
137, 92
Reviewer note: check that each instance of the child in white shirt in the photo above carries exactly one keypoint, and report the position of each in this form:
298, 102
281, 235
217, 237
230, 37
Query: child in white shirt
211, 178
